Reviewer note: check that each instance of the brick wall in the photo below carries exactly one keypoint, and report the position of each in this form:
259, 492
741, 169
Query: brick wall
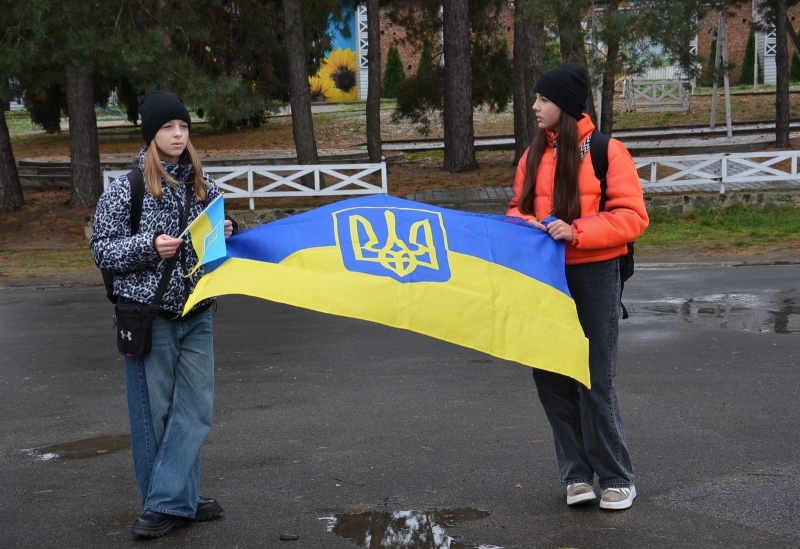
395, 34
738, 28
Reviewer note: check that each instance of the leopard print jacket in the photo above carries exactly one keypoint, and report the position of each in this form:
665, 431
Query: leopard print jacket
133, 259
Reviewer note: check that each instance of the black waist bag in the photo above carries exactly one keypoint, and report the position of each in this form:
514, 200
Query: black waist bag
134, 323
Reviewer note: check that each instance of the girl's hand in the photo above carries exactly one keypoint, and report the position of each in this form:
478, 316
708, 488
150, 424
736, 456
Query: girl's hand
166, 246
228, 228
560, 230
538, 224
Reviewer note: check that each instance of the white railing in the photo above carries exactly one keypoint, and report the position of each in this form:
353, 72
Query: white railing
721, 169
661, 95
253, 182
672, 72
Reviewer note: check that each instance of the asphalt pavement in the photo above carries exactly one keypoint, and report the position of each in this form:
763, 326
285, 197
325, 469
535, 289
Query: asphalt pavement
347, 433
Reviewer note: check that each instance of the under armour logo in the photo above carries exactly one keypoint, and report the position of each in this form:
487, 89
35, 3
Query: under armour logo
125, 335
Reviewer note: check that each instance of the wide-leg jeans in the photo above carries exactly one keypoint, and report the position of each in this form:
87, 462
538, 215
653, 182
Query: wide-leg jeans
587, 425
170, 405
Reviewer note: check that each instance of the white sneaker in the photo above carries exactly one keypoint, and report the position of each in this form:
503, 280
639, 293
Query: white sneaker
617, 498
580, 492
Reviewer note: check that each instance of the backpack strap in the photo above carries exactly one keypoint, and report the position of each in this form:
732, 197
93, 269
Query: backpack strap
598, 148
136, 179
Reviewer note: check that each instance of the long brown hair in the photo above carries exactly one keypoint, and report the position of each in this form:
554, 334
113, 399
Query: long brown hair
566, 196
154, 172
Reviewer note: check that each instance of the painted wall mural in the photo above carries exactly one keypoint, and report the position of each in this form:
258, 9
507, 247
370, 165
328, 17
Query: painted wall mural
337, 78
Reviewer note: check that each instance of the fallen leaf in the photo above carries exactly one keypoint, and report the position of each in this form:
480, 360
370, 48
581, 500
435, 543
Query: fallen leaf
518, 485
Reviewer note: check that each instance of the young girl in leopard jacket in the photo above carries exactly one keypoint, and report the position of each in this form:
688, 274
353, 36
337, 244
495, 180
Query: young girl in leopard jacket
171, 389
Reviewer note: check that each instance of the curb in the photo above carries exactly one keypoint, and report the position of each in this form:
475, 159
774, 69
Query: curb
715, 264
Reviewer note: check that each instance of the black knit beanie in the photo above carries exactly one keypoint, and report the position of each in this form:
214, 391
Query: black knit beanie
159, 107
567, 86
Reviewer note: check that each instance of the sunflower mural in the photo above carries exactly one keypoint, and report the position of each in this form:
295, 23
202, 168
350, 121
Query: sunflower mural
340, 68
337, 78
322, 89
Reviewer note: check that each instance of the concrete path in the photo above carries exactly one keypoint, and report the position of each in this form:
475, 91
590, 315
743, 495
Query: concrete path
335, 429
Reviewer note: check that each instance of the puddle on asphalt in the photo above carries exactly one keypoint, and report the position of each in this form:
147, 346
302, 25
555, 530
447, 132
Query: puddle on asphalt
405, 529
744, 312
78, 449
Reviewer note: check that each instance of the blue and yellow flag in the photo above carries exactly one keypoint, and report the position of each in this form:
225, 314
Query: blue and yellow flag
208, 233
490, 283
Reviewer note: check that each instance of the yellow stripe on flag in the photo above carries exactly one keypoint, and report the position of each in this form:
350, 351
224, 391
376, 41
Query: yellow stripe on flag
458, 310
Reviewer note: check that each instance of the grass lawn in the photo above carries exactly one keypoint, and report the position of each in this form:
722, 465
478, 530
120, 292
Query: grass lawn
731, 231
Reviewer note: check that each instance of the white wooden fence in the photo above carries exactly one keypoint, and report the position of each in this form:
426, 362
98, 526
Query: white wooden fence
694, 171
657, 173
661, 95
253, 182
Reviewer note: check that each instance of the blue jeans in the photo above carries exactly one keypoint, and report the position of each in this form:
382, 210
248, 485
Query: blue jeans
170, 404
587, 425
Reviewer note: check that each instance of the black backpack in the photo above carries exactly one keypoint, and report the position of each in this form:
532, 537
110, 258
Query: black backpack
136, 179
598, 148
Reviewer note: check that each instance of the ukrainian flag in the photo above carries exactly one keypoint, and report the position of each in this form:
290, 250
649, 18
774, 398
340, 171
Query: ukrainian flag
490, 283
208, 233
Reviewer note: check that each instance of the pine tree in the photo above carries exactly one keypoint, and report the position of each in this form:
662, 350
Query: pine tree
394, 75
420, 96
746, 76
425, 66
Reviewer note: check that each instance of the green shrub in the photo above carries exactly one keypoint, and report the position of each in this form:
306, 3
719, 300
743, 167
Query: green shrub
420, 97
746, 76
708, 74
426, 65
794, 68
491, 67
394, 75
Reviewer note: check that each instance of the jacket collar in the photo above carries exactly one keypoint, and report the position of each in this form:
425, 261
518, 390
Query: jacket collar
182, 172
585, 129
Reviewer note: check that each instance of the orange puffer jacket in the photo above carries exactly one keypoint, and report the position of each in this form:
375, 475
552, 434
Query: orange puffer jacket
597, 236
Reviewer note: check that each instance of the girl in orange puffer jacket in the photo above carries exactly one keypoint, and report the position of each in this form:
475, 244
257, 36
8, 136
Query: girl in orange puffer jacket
555, 178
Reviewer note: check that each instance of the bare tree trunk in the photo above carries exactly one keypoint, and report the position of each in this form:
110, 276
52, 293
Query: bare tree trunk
374, 77
10, 189
609, 74
782, 77
299, 92
84, 151
459, 132
527, 70
570, 34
